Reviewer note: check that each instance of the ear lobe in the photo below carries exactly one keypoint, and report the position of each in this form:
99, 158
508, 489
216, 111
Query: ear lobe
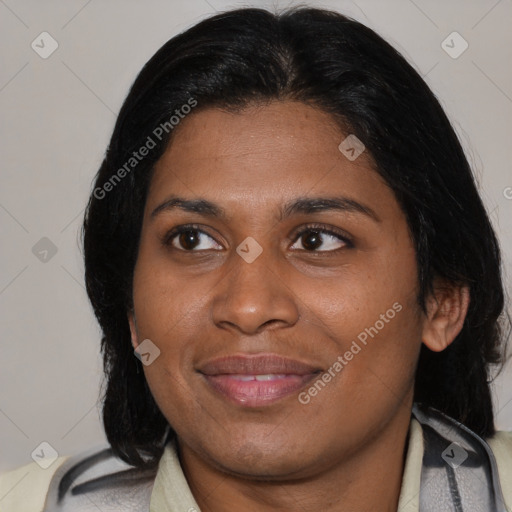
132, 321
446, 312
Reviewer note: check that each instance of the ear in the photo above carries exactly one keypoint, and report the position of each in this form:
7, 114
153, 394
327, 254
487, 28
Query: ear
446, 311
133, 329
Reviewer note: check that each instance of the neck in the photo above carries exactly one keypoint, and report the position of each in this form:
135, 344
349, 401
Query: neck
369, 479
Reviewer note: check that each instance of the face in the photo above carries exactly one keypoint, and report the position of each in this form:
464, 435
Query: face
278, 279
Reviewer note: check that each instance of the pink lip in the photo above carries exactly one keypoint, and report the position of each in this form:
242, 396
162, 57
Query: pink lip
230, 376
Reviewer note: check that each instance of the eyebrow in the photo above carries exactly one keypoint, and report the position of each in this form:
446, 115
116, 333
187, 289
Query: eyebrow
304, 205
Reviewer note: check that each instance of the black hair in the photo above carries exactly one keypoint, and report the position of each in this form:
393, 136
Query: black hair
327, 60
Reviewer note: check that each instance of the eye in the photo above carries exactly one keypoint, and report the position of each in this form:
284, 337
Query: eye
190, 238
320, 239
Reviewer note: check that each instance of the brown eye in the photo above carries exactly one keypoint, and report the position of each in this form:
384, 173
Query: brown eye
189, 238
311, 240
320, 240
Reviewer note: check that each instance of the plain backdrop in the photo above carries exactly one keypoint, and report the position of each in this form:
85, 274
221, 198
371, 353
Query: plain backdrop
57, 114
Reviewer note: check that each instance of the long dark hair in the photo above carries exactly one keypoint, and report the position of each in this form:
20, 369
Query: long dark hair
336, 64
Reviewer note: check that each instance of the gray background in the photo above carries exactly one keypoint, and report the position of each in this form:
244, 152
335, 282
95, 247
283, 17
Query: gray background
57, 115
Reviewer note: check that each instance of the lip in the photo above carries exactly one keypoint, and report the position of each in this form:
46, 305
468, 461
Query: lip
234, 377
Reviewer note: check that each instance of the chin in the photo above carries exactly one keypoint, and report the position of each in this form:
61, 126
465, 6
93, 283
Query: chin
264, 461
275, 469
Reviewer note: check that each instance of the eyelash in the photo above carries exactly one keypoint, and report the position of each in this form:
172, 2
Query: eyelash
170, 235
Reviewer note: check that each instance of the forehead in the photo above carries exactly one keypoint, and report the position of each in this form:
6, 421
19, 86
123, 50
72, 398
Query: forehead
261, 154
257, 129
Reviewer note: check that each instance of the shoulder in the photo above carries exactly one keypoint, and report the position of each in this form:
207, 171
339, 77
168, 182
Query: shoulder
83, 482
501, 446
25, 488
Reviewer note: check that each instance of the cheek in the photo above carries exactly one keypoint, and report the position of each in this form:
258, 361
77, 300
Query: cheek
371, 315
355, 297
164, 317
170, 319
162, 299
378, 361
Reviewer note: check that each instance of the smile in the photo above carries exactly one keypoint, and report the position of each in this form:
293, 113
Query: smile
257, 390
253, 380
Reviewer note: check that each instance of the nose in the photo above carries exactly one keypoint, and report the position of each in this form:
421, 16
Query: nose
253, 297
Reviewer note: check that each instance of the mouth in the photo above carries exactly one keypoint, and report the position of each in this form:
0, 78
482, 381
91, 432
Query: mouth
256, 380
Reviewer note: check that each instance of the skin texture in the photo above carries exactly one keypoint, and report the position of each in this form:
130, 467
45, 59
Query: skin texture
345, 449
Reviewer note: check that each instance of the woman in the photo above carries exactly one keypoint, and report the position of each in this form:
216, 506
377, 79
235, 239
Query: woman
287, 234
